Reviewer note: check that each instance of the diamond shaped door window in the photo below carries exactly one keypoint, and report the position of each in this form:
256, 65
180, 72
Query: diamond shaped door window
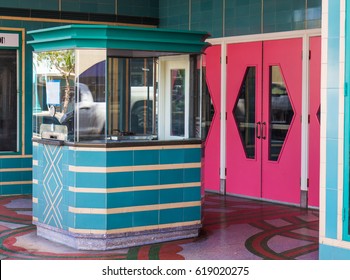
244, 112
318, 114
208, 109
281, 113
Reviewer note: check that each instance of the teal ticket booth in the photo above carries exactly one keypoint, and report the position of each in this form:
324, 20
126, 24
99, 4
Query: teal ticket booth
116, 135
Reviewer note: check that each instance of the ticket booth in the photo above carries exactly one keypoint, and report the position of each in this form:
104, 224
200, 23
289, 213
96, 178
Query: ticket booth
116, 135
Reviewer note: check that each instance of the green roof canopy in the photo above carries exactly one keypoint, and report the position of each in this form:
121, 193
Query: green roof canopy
118, 37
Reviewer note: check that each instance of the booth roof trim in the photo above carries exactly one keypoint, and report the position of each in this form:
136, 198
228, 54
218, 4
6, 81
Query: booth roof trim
118, 37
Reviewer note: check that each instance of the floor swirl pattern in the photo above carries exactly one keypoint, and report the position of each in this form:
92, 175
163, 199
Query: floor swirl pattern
233, 228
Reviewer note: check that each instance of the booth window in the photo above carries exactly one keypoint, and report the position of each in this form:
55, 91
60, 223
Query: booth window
8, 101
109, 95
132, 97
69, 95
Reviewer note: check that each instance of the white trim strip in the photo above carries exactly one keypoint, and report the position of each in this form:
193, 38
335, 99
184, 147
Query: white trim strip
335, 243
94, 169
134, 189
265, 36
16, 183
132, 209
133, 229
15, 169
141, 148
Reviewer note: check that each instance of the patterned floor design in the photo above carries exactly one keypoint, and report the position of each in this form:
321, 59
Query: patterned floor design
234, 228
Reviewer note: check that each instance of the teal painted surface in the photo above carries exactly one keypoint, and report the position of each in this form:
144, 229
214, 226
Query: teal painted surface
120, 180
171, 196
192, 194
90, 221
141, 8
87, 200
118, 37
38, 5
192, 175
118, 221
346, 199
54, 181
332, 121
243, 17
146, 218
86, 180
147, 178
51, 208
146, 157
207, 15
171, 176
169, 216
235, 17
333, 253
192, 214
120, 158
174, 14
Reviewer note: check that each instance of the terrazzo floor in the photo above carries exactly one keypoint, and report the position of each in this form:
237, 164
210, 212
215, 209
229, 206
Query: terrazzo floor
233, 229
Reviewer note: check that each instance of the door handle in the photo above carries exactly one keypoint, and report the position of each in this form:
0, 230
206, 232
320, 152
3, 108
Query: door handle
258, 130
263, 130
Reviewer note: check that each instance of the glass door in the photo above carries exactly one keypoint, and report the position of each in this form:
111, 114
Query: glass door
263, 106
244, 122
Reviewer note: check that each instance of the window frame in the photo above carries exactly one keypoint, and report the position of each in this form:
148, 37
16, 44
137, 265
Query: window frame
13, 41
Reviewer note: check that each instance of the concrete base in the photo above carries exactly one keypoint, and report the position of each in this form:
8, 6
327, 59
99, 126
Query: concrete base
115, 241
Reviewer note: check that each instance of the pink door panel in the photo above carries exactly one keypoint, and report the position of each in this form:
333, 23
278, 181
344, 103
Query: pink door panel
211, 161
282, 87
314, 126
243, 157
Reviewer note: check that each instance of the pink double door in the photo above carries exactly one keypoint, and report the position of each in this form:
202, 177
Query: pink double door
264, 103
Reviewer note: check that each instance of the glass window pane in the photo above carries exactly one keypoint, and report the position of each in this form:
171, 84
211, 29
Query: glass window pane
281, 113
8, 100
90, 107
54, 74
244, 112
177, 102
208, 109
132, 96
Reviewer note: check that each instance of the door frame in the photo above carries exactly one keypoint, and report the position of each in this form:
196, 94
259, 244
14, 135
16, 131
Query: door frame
305, 35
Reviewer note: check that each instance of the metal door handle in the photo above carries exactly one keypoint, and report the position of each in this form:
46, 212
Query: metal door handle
263, 130
258, 129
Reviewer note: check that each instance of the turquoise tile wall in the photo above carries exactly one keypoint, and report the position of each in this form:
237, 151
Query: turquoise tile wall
240, 17
39, 4
54, 182
144, 8
332, 132
207, 15
174, 14
346, 199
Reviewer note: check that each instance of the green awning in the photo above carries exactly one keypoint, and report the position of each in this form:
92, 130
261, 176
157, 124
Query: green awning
118, 37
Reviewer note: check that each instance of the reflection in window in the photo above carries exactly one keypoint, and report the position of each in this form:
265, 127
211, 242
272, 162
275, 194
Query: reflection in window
73, 83
207, 107
318, 114
195, 97
131, 96
8, 100
177, 126
281, 113
244, 112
